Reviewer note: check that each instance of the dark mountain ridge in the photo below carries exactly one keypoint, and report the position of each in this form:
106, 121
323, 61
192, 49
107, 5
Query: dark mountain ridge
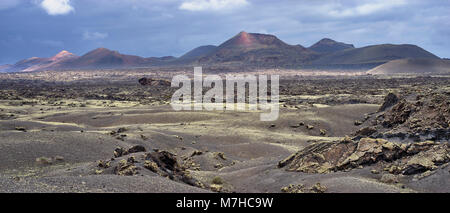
197, 53
327, 45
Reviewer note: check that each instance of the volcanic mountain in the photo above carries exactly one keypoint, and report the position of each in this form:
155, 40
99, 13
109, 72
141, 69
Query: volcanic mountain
63, 55
372, 56
5, 68
100, 58
414, 66
35, 63
197, 53
258, 49
103, 58
327, 45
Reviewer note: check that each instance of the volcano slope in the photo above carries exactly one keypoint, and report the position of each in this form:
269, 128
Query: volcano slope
120, 135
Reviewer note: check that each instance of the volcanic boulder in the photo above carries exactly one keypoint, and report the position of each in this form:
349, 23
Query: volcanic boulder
325, 157
135, 160
153, 82
390, 100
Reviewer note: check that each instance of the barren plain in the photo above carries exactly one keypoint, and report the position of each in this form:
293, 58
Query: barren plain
102, 131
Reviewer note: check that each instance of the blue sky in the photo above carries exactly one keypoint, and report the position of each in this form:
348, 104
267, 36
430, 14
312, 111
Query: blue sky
172, 27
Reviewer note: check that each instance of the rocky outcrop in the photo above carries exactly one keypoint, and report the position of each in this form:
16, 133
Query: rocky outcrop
347, 154
120, 151
390, 100
135, 160
419, 118
300, 188
398, 115
321, 157
153, 82
49, 160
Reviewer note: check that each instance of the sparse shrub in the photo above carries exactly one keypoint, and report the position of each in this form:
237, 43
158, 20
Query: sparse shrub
217, 180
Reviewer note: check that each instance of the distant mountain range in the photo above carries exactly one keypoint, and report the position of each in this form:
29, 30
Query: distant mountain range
244, 49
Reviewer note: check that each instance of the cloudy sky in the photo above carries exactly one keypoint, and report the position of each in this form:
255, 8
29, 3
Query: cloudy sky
172, 27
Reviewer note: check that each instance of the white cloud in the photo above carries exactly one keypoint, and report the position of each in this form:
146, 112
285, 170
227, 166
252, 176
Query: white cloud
57, 7
213, 5
362, 9
94, 35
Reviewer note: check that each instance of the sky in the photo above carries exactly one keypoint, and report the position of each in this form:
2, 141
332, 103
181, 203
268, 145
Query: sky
147, 28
